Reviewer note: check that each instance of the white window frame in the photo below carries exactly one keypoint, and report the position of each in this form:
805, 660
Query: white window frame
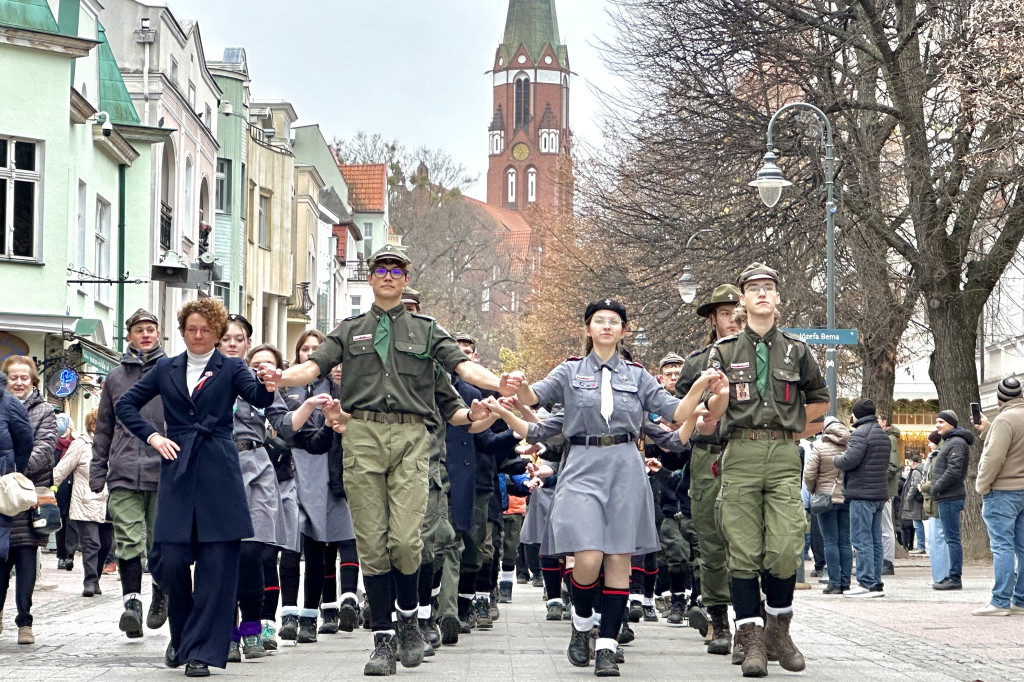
263, 222
174, 70
9, 175
222, 186
357, 302
531, 185
510, 186
83, 197
101, 248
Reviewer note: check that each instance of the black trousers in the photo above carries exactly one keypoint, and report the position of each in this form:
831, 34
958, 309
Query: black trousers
95, 540
202, 615
22, 560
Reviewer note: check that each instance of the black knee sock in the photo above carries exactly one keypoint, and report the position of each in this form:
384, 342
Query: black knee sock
250, 581
289, 571
613, 606
778, 592
649, 580
426, 583
313, 580
584, 598
330, 590
551, 570
271, 584
746, 597
406, 590
533, 558
379, 596
695, 591
349, 568
679, 581
636, 581
131, 575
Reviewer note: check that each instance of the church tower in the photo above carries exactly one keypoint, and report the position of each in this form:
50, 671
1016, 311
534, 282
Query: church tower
529, 138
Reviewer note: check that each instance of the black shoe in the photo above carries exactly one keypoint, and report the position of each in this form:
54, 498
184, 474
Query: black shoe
579, 648
555, 610
604, 664
366, 616
62, 564
522, 579
131, 620
832, 589
887, 568
348, 615
626, 634
90, 588
382, 660
426, 631
483, 614
817, 573
409, 641
823, 581
949, 584
157, 615
505, 592
675, 614
252, 647
330, 621
698, 619
538, 581
307, 630
450, 627
636, 611
196, 669
567, 609
289, 627
430, 632
620, 655
171, 656
650, 615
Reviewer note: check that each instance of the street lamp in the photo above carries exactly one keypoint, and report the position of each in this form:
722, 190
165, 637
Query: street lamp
686, 285
641, 339
769, 183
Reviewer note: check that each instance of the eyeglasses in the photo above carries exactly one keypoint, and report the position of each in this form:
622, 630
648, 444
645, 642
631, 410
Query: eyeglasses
394, 272
192, 331
610, 321
672, 374
767, 288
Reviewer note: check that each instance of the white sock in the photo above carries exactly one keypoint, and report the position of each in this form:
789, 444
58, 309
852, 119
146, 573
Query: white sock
131, 595
332, 605
597, 618
606, 643
349, 595
408, 614
289, 611
556, 600
423, 612
435, 591
470, 597
484, 595
389, 633
507, 576
308, 613
772, 611
648, 601
756, 620
582, 624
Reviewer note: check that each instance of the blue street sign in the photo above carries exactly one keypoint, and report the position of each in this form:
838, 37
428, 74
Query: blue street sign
824, 337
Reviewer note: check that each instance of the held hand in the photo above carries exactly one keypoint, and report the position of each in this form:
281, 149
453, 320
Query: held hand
544, 471
510, 383
983, 426
479, 411
269, 375
496, 407
510, 403
533, 484
319, 401
653, 464
528, 449
167, 448
334, 416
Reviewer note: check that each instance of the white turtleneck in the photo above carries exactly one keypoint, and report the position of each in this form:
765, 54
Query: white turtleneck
194, 369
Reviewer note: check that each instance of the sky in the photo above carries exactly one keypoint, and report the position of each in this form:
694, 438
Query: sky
408, 69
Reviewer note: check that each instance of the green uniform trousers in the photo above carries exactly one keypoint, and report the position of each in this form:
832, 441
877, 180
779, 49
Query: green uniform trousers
510, 545
678, 542
714, 557
437, 532
386, 482
761, 512
132, 513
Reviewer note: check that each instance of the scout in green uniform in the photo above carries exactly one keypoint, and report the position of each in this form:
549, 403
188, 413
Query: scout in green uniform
390, 360
704, 481
775, 389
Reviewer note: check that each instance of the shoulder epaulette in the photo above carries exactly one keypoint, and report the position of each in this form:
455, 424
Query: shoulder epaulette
422, 316
354, 317
636, 364
792, 337
698, 351
731, 337
573, 359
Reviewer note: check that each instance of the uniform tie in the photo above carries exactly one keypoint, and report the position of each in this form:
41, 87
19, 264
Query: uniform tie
762, 367
607, 401
382, 339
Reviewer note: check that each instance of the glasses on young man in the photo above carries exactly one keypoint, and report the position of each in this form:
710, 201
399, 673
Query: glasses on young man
768, 288
394, 272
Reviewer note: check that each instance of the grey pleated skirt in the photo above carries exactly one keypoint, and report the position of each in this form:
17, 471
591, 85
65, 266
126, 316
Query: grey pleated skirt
603, 501
262, 493
288, 537
322, 516
537, 524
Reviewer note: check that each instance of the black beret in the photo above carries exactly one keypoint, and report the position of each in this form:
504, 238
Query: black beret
606, 304
240, 319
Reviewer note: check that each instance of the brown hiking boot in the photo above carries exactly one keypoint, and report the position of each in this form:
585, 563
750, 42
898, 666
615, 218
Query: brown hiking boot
779, 643
737, 648
720, 636
755, 660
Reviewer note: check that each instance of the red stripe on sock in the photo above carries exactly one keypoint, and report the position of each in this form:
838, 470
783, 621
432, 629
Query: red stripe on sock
272, 589
331, 576
344, 565
556, 569
583, 587
624, 592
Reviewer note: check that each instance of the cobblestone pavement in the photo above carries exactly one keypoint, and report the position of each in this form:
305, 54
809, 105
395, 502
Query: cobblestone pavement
914, 633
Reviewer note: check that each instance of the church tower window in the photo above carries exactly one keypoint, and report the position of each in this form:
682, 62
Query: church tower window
511, 185
522, 101
531, 185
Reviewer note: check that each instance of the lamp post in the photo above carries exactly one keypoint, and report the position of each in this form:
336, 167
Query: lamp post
769, 184
641, 339
686, 285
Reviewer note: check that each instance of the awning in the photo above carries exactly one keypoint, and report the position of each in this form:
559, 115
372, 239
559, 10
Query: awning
102, 359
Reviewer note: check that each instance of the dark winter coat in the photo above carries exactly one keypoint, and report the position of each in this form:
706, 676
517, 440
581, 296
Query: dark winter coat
16, 438
119, 459
40, 465
950, 467
912, 508
866, 462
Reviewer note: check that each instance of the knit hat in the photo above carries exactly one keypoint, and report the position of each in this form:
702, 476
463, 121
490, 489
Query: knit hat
1008, 389
934, 437
949, 416
863, 408
915, 457
63, 422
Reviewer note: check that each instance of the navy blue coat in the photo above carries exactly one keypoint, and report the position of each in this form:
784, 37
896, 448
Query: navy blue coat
204, 485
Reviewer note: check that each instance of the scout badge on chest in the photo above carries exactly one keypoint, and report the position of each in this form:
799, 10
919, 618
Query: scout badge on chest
743, 391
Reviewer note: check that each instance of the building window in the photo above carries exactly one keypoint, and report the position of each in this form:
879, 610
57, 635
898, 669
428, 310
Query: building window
20, 184
174, 70
192, 96
357, 305
531, 185
264, 222
223, 186
511, 185
208, 117
522, 101
485, 302
187, 213
81, 224
367, 240
102, 248
244, 196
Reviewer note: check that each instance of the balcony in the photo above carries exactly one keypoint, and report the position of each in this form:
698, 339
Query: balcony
166, 220
358, 270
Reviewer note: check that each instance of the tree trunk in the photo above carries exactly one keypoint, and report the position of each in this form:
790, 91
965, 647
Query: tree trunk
954, 326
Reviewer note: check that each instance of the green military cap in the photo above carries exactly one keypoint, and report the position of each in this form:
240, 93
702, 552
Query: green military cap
756, 271
725, 293
410, 295
141, 315
389, 253
464, 337
671, 359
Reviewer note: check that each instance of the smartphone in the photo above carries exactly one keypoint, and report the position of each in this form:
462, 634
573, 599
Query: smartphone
976, 413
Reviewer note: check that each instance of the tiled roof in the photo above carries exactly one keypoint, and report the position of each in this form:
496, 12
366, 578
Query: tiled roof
514, 231
34, 15
367, 186
512, 221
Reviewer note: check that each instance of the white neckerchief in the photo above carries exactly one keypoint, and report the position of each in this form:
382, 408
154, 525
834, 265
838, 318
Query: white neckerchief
607, 401
194, 369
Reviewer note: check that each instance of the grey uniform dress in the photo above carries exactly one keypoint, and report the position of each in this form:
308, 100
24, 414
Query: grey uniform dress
261, 490
322, 516
537, 524
602, 500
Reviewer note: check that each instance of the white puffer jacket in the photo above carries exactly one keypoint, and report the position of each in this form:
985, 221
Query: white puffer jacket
85, 504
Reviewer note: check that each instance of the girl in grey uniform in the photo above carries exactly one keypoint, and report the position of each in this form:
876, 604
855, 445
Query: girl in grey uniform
604, 477
260, 480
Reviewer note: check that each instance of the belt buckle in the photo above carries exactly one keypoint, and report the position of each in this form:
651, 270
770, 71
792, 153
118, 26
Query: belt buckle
390, 418
762, 435
606, 440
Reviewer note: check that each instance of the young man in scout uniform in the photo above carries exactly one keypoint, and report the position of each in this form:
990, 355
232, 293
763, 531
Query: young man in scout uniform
131, 470
390, 360
705, 483
776, 389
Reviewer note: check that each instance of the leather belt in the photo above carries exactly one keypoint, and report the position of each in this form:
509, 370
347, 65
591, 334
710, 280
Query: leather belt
712, 449
601, 441
762, 434
387, 417
245, 444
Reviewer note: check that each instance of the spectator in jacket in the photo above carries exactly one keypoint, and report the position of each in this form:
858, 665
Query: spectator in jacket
947, 489
911, 508
822, 476
935, 539
67, 537
866, 463
893, 489
1001, 485
130, 470
87, 510
23, 383
15, 448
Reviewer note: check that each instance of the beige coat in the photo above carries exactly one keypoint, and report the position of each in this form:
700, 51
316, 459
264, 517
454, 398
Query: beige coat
85, 504
819, 471
1002, 459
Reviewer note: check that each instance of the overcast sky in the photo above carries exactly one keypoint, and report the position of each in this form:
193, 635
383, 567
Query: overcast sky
409, 69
